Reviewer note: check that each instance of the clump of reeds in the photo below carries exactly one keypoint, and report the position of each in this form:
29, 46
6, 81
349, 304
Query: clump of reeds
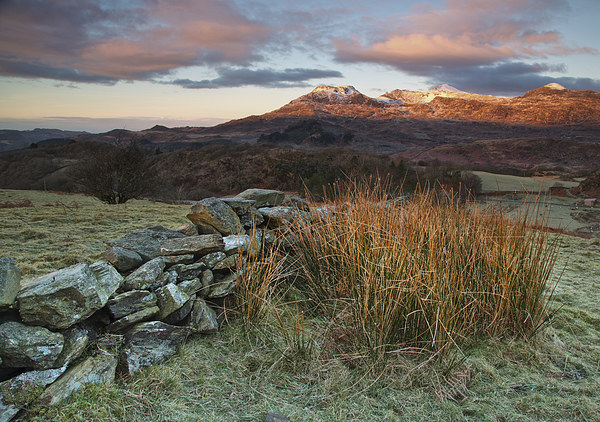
422, 274
259, 270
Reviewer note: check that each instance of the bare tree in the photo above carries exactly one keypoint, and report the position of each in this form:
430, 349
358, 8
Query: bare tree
119, 172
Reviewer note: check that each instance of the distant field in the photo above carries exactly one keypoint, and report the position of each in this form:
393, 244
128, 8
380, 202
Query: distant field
506, 183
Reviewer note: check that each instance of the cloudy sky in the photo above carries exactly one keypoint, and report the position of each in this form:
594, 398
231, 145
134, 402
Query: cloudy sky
101, 64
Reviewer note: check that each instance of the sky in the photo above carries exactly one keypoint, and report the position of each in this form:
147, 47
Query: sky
97, 65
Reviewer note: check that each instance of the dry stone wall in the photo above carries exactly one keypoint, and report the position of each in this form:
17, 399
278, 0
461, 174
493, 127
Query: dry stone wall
154, 288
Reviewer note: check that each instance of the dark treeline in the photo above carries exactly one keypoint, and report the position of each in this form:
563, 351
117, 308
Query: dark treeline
209, 171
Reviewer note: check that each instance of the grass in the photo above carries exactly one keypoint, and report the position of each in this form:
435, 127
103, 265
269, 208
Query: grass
55, 230
240, 374
507, 183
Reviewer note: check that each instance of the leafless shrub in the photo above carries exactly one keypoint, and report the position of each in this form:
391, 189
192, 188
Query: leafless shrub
119, 172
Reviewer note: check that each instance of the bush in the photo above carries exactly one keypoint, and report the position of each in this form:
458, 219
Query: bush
117, 173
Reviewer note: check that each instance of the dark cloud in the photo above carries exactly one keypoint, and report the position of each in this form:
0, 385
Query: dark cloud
466, 41
29, 70
124, 40
261, 77
509, 79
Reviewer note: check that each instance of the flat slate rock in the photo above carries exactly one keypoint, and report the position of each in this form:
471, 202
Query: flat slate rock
10, 278
24, 346
76, 340
131, 302
131, 319
62, 298
123, 259
213, 259
170, 260
239, 205
197, 245
20, 391
236, 243
149, 343
107, 275
145, 276
146, 242
170, 298
223, 286
263, 197
180, 314
93, 370
203, 318
279, 216
189, 271
191, 286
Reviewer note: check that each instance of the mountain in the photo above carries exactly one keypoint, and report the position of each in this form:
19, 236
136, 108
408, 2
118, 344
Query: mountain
437, 124
447, 88
551, 104
18, 139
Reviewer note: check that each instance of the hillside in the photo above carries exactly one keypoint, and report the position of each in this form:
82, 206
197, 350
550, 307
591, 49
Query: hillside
18, 139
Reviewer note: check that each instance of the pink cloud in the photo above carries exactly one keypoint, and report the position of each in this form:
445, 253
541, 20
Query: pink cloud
422, 49
465, 33
128, 43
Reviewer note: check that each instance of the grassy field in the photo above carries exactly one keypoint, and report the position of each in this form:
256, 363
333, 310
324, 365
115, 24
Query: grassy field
491, 182
240, 374
45, 231
563, 213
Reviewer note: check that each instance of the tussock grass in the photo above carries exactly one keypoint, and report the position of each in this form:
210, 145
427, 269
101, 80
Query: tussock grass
258, 274
423, 275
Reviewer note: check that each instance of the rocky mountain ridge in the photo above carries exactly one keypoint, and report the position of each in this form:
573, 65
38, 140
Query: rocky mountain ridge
551, 104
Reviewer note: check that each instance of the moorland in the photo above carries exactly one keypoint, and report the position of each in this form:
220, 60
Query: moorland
532, 156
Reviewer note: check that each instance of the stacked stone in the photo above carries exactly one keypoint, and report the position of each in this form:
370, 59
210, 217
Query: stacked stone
155, 287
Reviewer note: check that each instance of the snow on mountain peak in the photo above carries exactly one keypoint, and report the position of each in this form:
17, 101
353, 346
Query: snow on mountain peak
339, 90
447, 88
554, 85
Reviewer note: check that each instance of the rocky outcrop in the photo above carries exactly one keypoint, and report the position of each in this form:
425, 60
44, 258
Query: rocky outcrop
156, 287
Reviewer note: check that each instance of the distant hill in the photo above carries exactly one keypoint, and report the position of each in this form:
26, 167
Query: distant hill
11, 140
